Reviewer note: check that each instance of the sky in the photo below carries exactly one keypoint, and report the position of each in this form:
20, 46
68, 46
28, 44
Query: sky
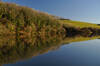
80, 10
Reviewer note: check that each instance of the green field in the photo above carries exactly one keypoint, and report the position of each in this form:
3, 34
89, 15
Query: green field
78, 24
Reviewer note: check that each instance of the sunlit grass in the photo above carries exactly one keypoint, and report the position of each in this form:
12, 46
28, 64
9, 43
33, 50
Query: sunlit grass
78, 24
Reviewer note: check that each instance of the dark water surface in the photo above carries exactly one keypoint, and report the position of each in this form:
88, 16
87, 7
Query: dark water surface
84, 53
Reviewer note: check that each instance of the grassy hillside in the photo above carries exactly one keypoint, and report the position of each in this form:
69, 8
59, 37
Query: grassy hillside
24, 20
78, 24
20, 20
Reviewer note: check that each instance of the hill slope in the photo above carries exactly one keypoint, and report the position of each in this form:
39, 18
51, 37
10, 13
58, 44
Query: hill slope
20, 20
79, 24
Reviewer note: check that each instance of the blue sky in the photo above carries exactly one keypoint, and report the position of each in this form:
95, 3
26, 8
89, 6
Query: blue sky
81, 10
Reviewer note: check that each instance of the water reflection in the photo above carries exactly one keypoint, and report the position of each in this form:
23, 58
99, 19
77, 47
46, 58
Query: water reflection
13, 49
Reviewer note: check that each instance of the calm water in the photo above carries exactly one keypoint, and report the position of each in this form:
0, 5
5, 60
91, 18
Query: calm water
85, 53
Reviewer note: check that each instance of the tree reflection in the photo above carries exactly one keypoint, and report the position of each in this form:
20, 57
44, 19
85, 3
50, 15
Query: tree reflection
16, 48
